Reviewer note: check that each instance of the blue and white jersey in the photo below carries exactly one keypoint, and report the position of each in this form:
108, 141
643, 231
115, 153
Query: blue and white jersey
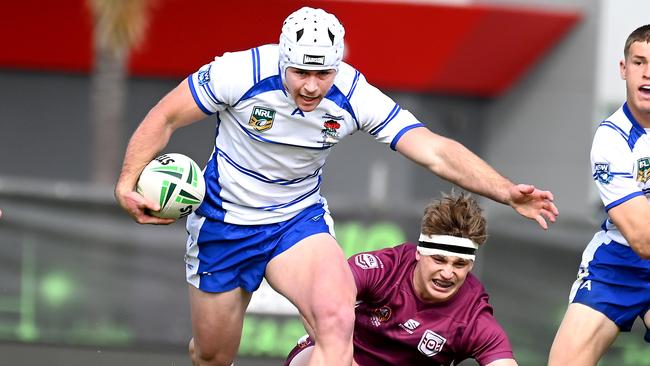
269, 155
620, 160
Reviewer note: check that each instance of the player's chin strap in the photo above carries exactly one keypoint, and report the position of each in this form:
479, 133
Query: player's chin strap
447, 245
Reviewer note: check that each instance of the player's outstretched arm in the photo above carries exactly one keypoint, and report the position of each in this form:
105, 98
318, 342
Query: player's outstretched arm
632, 218
175, 110
452, 161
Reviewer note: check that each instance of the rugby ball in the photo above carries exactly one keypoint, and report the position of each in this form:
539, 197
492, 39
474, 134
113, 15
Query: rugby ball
176, 182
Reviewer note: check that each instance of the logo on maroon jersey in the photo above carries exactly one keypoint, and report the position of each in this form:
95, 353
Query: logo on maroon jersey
366, 261
410, 325
431, 343
380, 315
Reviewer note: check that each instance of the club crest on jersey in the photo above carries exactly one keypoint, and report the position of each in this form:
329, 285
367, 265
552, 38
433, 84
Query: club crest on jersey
330, 133
380, 315
204, 76
431, 343
643, 170
602, 173
261, 118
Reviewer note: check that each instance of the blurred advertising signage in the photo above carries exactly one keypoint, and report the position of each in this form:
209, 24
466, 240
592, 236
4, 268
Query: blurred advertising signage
58, 289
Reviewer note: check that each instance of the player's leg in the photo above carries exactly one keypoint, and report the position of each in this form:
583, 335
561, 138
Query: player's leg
223, 267
610, 293
217, 321
314, 275
583, 337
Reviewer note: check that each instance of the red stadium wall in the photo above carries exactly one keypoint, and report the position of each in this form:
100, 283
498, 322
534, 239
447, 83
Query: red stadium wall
52, 35
469, 50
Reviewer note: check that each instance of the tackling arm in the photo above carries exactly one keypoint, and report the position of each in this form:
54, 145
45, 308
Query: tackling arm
452, 161
175, 110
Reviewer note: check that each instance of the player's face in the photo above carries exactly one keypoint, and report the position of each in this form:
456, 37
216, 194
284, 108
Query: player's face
437, 277
308, 87
635, 70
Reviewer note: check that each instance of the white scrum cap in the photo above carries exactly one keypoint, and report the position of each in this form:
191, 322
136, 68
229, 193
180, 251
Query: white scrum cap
311, 39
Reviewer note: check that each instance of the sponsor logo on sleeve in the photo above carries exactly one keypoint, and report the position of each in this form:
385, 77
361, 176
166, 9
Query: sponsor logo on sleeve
366, 261
602, 173
643, 170
431, 343
204, 76
261, 118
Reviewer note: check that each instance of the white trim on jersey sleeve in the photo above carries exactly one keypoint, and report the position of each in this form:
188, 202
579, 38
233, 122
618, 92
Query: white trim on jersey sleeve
612, 167
220, 84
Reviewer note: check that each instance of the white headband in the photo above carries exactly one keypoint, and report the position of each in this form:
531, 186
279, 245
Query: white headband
447, 245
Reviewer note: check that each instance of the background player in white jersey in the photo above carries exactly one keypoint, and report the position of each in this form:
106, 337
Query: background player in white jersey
279, 110
421, 306
613, 285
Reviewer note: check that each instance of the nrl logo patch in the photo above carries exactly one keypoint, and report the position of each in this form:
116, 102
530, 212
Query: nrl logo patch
602, 173
643, 170
431, 343
313, 60
261, 118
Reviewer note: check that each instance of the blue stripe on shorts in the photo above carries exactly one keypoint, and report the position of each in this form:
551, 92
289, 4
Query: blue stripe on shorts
617, 285
232, 256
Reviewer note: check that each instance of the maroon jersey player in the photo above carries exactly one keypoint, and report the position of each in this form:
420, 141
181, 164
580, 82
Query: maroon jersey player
419, 304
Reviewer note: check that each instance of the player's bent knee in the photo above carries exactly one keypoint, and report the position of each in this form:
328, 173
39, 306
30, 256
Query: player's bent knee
335, 320
214, 358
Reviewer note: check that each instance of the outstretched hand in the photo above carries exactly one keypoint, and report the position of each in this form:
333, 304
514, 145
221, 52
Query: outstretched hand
533, 203
139, 208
